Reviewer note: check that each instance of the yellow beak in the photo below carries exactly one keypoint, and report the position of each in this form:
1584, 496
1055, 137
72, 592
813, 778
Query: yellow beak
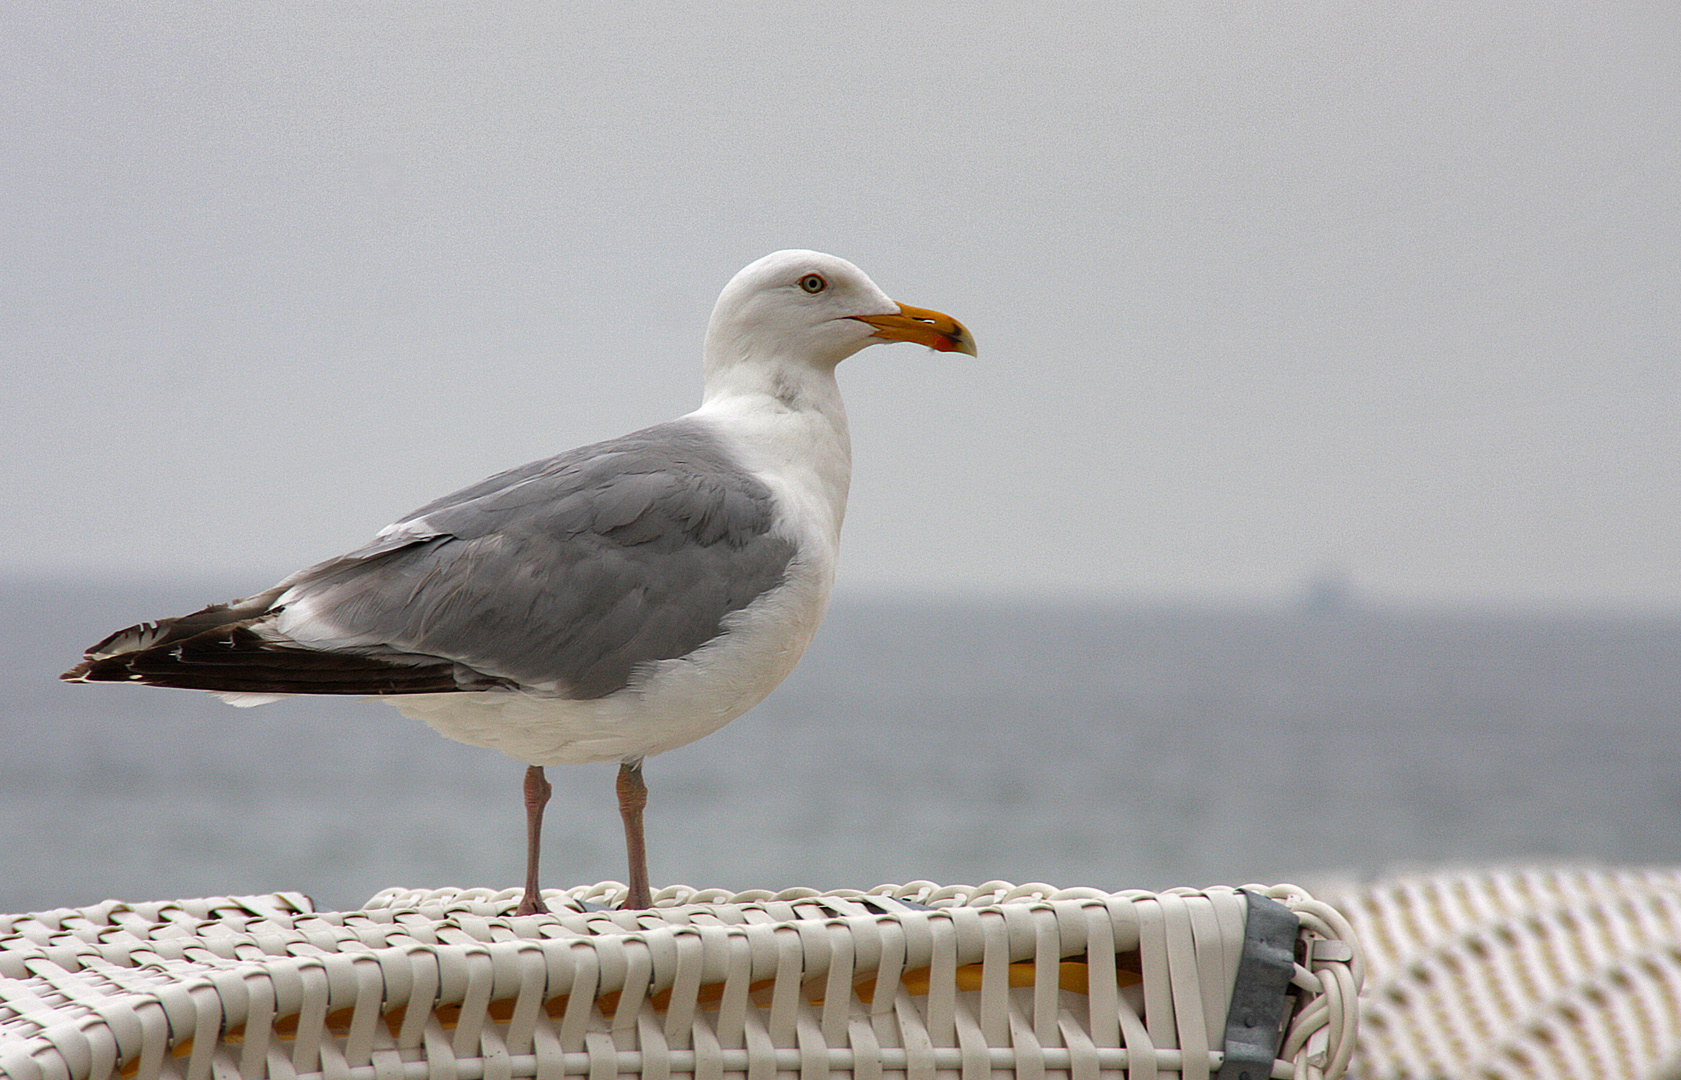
924, 327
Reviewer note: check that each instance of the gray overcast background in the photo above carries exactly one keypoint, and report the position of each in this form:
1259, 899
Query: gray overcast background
1260, 289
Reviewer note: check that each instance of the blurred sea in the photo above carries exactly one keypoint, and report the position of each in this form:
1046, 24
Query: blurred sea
1113, 745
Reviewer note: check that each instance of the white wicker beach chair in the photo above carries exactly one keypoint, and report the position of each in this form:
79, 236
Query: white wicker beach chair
1519, 973
917, 982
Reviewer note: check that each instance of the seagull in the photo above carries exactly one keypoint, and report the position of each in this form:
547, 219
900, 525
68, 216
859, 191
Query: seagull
612, 602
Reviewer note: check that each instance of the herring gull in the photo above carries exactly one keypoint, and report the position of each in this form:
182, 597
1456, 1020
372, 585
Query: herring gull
613, 602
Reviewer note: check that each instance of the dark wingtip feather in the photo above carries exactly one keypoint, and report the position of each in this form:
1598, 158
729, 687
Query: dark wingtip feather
215, 649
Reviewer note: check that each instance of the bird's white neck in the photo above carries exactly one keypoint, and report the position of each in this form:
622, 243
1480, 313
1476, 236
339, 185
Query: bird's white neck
789, 423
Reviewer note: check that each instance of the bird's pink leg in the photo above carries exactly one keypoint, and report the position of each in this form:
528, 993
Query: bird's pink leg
537, 791
633, 796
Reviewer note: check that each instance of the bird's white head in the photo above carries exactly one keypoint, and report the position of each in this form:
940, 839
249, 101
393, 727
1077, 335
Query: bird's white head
806, 309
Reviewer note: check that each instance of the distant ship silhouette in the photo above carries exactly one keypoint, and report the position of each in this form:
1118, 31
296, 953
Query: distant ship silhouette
1328, 591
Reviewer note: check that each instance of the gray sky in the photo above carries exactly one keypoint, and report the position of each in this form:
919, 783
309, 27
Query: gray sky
1258, 288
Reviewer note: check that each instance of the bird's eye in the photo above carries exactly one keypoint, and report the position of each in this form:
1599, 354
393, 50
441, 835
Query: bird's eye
813, 283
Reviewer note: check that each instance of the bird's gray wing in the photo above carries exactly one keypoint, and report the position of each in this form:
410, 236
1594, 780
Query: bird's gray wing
571, 572
567, 574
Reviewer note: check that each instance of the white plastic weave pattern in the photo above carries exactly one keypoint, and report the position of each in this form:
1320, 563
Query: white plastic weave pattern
1519, 974
916, 982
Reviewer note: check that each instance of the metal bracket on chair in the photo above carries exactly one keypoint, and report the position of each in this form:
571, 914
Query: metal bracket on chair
1255, 1017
